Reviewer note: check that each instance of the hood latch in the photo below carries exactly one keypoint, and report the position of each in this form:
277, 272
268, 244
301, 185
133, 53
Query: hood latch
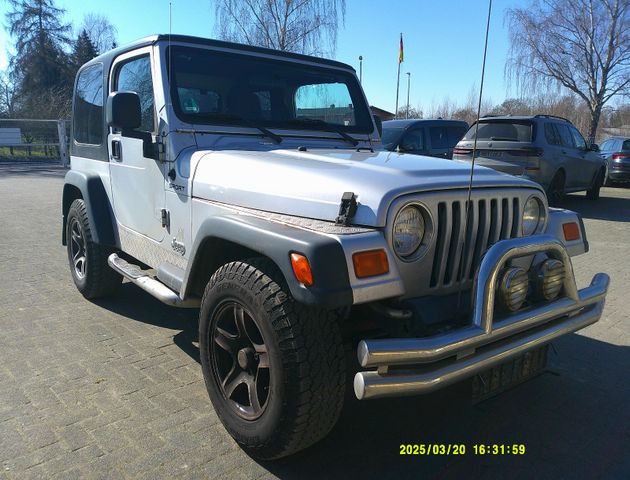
347, 209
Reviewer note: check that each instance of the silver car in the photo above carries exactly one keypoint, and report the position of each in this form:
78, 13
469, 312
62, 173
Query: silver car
616, 154
543, 148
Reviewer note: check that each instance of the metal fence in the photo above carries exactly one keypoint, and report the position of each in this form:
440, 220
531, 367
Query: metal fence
31, 141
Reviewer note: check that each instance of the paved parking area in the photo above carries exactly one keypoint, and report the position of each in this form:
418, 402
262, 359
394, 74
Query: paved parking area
113, 389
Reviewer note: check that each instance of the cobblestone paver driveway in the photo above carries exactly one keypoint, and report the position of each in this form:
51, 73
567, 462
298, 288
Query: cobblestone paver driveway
113, 389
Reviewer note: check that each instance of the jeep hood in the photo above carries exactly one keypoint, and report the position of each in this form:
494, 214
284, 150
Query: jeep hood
310, 184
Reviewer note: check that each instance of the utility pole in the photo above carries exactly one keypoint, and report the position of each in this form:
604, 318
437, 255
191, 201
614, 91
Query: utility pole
400, 60
361, 69
408, 85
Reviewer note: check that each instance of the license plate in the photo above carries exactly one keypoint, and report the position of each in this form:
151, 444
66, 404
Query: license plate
491, 153
502, 377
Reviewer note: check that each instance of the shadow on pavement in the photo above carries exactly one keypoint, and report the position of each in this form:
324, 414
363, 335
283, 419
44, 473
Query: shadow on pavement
132, 302
609, 206
573, 418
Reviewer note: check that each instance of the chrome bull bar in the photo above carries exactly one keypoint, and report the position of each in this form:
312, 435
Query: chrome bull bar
485, 343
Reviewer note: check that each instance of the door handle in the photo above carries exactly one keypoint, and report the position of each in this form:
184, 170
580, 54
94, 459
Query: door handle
564, 152
117, 150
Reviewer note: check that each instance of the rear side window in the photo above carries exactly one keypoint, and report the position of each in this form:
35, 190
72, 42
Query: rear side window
578, 139
439, 137
88, 106
566, 139
502, 131
626, 145
605, 146
455, 134
413, 141
551, 134
135, 76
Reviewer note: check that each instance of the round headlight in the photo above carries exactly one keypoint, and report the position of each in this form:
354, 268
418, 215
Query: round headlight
408, 231
533, 216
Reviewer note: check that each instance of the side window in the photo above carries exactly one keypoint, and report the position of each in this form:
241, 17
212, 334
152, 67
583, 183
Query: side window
566, 139
625, 145
578, 139
88, 106
135, 76
551, 134
439, 138
413, 141
455, 134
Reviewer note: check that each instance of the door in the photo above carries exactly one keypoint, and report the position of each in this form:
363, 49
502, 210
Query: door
589, 162
571, 157
137, 180
439, 142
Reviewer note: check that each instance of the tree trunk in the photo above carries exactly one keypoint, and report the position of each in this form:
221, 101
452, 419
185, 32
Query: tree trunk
595, 116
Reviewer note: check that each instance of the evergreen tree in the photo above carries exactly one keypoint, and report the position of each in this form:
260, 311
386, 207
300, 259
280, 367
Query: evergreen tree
40, 66
83, 51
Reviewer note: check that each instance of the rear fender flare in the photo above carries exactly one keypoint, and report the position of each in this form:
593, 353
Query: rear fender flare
97, 205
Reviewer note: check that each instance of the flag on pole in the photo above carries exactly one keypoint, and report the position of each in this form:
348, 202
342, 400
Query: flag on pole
401, 55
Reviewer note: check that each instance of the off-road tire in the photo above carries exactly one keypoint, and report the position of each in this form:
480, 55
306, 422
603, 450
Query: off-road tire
555, 192
98, 280
593, 192
306, 360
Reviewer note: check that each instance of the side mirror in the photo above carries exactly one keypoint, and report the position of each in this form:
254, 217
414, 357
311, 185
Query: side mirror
379, 124
594, 147
123, 110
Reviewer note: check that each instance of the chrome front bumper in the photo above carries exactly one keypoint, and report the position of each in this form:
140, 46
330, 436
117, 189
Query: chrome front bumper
435, 362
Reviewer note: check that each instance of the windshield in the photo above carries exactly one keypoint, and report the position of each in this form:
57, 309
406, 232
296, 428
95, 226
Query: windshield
211, 87
390, 137
502, 131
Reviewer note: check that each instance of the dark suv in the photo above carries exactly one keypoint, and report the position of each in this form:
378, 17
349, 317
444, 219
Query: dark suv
544, 148
434, 138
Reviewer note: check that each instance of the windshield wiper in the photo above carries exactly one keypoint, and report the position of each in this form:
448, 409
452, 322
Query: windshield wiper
328, 127
503, 139
245, 122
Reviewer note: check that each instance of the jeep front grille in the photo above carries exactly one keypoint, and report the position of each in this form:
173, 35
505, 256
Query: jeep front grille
458, 252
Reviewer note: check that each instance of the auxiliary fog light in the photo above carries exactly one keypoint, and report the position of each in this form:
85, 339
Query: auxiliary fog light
549, 279
513, 288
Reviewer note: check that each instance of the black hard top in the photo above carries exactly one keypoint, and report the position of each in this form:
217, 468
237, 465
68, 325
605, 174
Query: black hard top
423, 121
107, 57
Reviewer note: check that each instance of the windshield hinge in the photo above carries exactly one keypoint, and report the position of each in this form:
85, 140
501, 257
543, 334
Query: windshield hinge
347, 209
160, 148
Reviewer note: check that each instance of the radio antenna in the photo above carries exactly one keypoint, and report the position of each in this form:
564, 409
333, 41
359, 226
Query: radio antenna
170, 53
465, 244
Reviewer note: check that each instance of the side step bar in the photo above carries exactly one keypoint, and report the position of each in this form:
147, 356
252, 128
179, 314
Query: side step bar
149, 284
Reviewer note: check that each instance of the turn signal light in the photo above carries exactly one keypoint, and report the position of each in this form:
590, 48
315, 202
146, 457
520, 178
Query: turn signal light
370, 263
302, 269
571, 231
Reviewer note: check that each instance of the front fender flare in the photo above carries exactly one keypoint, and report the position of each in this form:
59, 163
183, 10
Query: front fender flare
331, 285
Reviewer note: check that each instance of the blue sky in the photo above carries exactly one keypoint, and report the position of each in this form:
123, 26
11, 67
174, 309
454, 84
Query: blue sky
443, 41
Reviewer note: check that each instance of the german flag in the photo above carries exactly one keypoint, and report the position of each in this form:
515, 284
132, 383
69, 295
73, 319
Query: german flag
401, 54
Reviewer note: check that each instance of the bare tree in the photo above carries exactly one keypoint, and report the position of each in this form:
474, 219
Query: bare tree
409, 111
303, 26
100, 30
7, 96
581, 45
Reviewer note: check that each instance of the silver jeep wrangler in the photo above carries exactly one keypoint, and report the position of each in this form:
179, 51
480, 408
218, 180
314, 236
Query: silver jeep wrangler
252, 184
